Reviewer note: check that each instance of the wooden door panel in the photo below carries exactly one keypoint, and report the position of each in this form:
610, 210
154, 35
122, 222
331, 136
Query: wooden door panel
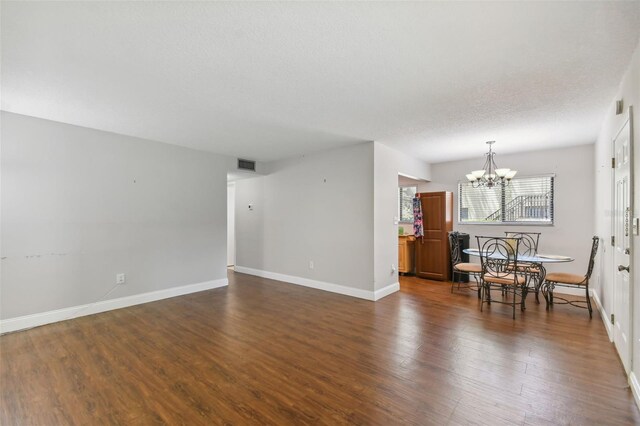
430, 259
432, 213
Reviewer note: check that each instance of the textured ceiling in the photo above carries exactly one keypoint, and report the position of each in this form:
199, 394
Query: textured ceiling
272, 80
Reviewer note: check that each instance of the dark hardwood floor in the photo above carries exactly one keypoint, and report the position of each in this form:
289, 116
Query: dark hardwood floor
265, 352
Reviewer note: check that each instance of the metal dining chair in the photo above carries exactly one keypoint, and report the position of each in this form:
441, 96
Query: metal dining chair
563, 279
459, 268
528, 242
499, 260
529, 247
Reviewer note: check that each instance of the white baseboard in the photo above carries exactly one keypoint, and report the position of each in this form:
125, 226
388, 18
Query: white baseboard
34, 320
385, 291
635, 387
322, 285
603, 314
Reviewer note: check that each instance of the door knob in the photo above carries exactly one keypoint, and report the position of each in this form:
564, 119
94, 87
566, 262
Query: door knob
623, 268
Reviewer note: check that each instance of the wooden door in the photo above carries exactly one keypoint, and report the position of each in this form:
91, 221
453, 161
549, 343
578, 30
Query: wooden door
432, 250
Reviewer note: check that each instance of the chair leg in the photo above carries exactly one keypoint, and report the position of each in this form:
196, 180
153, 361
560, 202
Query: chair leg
544, 288
456, 278
548, 293
588, 301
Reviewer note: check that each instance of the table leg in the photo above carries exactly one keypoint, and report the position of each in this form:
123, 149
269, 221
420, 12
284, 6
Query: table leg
540, 280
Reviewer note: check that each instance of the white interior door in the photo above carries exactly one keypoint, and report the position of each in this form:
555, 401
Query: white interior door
622, 208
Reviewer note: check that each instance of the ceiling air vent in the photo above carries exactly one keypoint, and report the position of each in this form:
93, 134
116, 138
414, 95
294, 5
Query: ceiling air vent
246, 165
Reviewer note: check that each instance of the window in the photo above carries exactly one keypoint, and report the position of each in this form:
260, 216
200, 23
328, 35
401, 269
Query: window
526, 200
405, 203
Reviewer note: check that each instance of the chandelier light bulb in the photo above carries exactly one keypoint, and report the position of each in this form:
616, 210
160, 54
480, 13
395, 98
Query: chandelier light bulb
502, 172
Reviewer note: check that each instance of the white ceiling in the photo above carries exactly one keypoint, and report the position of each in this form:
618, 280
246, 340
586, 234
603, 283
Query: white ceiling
271, 80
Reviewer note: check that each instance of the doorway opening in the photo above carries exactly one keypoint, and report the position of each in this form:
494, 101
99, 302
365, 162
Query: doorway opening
407, 189
231, 225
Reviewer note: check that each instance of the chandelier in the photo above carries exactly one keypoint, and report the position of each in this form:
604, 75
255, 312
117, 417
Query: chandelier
491, 175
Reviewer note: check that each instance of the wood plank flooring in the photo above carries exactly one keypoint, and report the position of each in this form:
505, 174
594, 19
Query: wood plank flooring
265, 352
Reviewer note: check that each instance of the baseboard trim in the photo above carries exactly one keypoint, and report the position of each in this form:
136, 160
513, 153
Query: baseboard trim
385, 291
318, 285
635, 387
42, 318
603, 314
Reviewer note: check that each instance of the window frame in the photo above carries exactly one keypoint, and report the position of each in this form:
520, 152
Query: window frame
400, 188
552, 176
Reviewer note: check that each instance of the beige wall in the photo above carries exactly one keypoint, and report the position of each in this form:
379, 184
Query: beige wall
314, 208
388, 164
81, 205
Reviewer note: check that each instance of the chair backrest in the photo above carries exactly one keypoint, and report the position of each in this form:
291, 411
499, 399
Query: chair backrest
498, 255
592, 257
454, 246
528, 242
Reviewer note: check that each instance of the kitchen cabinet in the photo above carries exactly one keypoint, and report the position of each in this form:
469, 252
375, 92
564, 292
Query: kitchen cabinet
406, 245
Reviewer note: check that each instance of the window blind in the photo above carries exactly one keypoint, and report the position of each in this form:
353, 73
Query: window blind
525, 200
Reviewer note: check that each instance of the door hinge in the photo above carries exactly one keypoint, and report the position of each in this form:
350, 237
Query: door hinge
613, 162
613, 319
613, 241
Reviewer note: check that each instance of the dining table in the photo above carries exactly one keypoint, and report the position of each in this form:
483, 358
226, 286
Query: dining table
534, 266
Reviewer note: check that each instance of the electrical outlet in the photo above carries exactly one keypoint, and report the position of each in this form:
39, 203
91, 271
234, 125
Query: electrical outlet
120, 278
311, 265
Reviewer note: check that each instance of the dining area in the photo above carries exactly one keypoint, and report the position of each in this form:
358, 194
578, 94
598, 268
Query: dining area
517, 257
509, 269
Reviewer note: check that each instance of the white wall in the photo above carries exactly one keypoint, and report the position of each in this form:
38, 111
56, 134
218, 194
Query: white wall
80, 205
629, 92
388, 163
318, 208
573, 216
